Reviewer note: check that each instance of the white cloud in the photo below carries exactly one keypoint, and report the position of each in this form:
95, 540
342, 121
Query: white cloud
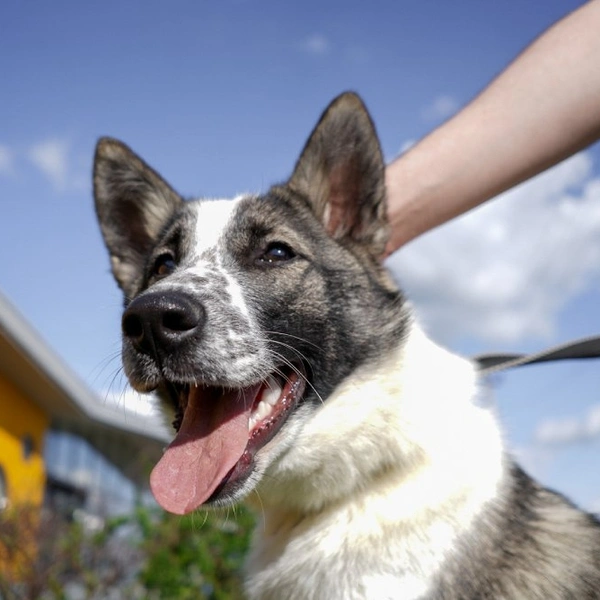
503, 272
570, 429
594, 506
51, 157
535, 459
316, 44
441, 108
406, 146
129, 399
6, 160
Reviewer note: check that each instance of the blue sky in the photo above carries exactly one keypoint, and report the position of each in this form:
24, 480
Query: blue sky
220, 97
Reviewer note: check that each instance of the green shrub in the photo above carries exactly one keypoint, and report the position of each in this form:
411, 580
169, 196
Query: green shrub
149, 555
197, 556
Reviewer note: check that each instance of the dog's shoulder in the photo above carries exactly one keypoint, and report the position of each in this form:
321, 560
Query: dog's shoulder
528, 542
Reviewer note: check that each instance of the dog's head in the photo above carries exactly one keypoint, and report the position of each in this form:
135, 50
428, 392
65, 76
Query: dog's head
245, 314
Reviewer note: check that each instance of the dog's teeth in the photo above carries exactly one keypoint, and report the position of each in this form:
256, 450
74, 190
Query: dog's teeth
264, 410
272, 392
268, 401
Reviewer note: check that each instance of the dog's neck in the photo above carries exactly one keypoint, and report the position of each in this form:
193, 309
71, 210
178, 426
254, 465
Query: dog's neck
402, 444
394, 468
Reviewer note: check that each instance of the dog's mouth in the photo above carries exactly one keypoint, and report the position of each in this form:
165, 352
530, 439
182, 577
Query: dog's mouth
220, 430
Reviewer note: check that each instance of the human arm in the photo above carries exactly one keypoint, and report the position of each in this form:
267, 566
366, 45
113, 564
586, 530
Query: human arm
543, 108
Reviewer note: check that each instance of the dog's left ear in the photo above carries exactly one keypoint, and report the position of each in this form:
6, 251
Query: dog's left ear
341, 173
133, 204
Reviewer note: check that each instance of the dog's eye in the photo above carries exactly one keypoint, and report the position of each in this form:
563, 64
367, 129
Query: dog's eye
163, 265
277, 252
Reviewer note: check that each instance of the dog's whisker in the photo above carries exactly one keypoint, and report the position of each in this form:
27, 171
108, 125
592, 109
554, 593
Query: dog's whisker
262, 507
204, 514
294, 350
295, 337
300, 374
115, 373
118, 373
105, 363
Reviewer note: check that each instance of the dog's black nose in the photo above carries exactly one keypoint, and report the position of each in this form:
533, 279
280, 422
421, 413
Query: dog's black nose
161, 321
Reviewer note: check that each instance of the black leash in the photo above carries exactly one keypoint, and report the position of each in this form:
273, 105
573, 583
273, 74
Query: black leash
588, 347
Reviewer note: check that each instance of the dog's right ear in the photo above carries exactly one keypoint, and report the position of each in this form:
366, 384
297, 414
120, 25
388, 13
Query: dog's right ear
133, 204
341, 174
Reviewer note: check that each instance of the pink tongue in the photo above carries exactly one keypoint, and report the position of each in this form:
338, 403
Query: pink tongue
210, 441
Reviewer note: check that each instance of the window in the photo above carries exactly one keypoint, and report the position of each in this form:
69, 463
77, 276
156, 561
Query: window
28, 446
3, 490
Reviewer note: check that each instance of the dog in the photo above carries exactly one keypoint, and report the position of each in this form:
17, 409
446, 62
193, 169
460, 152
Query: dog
300, 381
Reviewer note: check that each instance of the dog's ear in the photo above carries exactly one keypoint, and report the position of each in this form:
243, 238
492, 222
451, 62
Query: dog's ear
341, 172
133, 204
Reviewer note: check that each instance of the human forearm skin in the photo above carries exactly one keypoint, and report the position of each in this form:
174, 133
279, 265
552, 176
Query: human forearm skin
544, 107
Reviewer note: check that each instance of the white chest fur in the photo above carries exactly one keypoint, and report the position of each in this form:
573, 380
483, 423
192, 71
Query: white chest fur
379, 482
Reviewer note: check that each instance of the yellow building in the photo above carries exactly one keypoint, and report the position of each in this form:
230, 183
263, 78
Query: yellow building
22, 427
38, 393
